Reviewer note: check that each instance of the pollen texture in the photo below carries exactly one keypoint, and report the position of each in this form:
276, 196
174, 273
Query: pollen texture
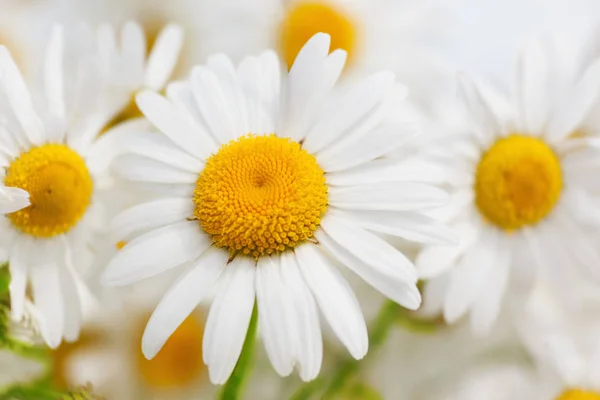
518, 182
59, 186
260, 194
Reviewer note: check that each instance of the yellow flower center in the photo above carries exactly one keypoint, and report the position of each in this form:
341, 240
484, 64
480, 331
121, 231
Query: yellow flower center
305, 19
59, 185
518, 182
576, 394
179, 362
260, 194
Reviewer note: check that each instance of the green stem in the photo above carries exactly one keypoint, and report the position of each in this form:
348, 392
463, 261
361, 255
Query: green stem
234, 386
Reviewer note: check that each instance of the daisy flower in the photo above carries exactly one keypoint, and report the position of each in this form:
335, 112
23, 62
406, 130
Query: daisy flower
52, 171
564, 360
520, 177
376, 34
127, 69
266, 184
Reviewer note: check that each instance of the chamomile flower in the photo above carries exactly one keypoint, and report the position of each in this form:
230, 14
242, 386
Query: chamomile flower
564, 361
52, 171
376, 35
127, 69
266, 183
520, 177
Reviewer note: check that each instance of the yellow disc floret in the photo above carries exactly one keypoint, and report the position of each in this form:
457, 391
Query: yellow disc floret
260, 194
518, 182
576, 394
59, 185
305, 19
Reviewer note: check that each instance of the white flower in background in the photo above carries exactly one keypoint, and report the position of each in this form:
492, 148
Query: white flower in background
564, 361
521, 178
126, 67
52, 170
266, 184
23, 26
380, 34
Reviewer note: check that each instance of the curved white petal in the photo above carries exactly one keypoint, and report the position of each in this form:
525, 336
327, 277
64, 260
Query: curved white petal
191, 288
140, 168
305, 327
163, 58
531, 89
390, 283
228, 319
13, 86
573, 109
72, 305
405, 224
468, 278
274, 316
53, 73
133, 51
335, 298
393, 196
174, 123
48, 299
13, 199
155, 252
151, 215
369, 248
486, 308
18, 268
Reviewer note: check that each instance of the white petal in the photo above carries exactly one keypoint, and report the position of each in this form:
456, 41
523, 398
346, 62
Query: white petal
49, 300
53, 73
228, 319
390, 283
387, 170
306, 338
335, 298
373, 145
158, 147
397, 196
575, 106
306, 85
72, 305
352, 109
151, 215
133, 50
18, 274
163, 58
191, 288
13, 86
480, 109
176, 125
217, 104
155, 252
532, 88
434, 259
369, 248
13, 199
487, 306
468, 278
405, 224
274, 315
113, 142
139, 168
